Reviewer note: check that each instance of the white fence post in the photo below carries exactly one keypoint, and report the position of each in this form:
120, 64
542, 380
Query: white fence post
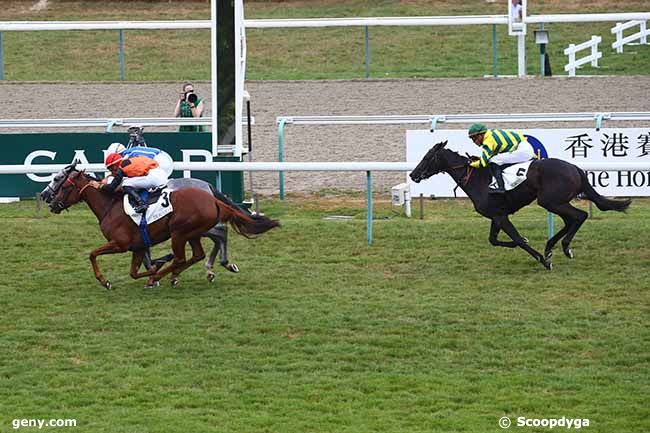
644, 33
593, 57
572, 60
594, 50
621, 39
618, 30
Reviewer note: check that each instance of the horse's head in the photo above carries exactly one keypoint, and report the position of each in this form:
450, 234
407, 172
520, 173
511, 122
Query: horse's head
432, 163
52, 188
65, 189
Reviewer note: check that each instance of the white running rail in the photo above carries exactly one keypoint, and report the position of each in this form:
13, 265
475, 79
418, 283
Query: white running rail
297, 166
621, 39
593, 58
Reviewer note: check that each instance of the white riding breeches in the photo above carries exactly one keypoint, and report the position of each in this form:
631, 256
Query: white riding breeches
524, 152
165, 162
155, 178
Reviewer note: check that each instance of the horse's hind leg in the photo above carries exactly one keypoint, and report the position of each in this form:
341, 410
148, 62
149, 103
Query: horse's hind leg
521, 242
197, 255
219, 235
573, 218
579, 217
209, 264
223, 251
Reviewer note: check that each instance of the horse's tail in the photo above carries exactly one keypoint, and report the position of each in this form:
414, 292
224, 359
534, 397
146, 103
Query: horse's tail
242, 222
600, 201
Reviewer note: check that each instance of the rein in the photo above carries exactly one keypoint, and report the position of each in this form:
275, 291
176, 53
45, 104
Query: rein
468, 174
83, 188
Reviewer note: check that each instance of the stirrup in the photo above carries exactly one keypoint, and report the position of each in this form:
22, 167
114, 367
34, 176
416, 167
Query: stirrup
497, 172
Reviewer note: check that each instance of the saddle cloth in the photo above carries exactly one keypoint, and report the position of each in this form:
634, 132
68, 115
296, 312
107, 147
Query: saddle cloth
513, 175
156, 210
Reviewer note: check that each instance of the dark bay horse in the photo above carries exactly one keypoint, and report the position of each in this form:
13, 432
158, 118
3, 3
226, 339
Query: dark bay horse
553, 182
195, 212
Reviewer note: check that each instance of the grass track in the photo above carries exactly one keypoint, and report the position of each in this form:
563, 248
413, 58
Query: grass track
430, 329
303, 53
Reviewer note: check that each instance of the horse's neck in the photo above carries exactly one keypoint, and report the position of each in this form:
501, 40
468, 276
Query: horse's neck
475, 186
98, 202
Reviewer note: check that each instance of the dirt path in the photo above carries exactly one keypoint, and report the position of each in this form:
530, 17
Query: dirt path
270, 99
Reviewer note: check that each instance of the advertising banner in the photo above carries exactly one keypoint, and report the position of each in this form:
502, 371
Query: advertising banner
572, 145
63, 148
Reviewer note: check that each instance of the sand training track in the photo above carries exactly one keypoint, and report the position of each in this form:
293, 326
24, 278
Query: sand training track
270, 99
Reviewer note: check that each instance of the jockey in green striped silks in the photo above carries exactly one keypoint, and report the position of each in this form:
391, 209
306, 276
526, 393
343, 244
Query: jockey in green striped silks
499, 147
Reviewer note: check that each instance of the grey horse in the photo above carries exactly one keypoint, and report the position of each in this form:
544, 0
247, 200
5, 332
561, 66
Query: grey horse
218, 234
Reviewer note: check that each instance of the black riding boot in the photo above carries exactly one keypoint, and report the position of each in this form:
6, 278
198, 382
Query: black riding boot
497, 172
140, 206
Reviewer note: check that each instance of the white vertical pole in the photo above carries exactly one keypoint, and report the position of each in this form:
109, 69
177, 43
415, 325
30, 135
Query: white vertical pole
619, 37
213, 66
644, 34
521, 49
594, 51
572, 60
239, 77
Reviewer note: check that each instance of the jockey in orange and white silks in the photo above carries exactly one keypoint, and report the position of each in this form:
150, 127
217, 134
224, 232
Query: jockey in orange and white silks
138, 172
161, 157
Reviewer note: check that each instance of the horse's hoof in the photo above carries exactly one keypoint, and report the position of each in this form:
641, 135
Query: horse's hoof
548, 264
568, 252
524, 239
175, 282
233, 268
548, 255
211, 277
151, 285
107, 285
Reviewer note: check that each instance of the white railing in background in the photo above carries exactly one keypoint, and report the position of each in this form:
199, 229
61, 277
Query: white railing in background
464, 118
368, 167
323, 22
592, 58
319, 22
295, 166
433, 119
621, 40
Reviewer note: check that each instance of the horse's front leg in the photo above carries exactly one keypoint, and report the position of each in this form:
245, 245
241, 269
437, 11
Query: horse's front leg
521, 242
136, 260
110, 248
494, 234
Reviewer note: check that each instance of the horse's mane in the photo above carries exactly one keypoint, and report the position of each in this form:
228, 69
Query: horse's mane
89, 176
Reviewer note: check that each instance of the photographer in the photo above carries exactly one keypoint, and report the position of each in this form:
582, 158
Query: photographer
189, 105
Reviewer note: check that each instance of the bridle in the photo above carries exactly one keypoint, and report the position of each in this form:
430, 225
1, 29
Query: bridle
59, 204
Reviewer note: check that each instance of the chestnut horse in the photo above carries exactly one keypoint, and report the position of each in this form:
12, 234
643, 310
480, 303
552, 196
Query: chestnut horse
195, 212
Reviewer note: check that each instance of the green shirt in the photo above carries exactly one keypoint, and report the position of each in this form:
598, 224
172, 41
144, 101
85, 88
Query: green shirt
186, 111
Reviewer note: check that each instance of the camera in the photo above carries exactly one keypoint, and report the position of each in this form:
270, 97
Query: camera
191, 97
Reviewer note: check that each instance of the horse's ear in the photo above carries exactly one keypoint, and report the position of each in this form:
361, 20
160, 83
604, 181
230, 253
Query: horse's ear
443, 144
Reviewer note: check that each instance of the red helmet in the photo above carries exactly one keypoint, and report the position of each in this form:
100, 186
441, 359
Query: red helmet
113, 158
